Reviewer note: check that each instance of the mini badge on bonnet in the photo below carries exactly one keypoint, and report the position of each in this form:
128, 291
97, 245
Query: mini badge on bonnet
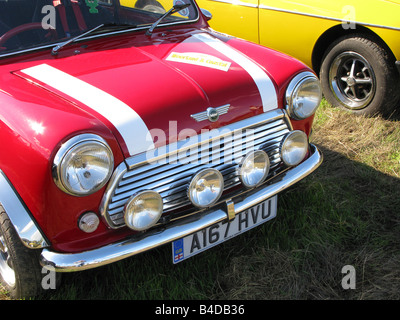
211, 114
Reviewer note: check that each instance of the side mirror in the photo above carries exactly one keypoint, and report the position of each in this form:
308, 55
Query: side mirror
207, 14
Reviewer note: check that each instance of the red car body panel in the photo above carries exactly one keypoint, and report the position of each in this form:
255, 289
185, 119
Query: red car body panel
36, 118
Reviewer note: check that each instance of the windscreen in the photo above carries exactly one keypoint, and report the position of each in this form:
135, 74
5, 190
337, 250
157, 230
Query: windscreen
31, 24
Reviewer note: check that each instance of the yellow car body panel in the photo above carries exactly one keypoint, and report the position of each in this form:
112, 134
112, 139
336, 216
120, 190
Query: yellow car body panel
239, 19
294, 27
127, 3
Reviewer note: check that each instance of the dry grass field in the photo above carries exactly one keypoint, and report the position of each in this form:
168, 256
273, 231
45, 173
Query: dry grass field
345, 213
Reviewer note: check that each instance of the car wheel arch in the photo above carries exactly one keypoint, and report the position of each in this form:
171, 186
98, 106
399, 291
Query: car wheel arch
337, 32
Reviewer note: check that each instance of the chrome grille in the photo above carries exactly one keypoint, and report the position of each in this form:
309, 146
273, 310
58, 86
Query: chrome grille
169, 171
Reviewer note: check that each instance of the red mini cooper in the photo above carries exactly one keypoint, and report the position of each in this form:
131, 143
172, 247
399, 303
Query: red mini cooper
127, 125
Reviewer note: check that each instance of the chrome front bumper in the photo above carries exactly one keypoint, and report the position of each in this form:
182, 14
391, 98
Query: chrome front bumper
66, 262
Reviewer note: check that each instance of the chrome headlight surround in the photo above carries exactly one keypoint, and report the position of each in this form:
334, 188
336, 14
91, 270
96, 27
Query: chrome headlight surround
83, 165
254, 168
206, 188
294, 148
303, 96
143, 210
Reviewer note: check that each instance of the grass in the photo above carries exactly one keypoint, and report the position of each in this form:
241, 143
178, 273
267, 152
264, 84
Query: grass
345, 213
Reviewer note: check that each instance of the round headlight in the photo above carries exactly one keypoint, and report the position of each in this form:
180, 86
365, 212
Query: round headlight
143, 210
303, 96
294, 148
83, 165
206, 188
254, 168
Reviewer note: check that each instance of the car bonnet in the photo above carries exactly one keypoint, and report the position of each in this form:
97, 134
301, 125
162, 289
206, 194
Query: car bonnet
159, 86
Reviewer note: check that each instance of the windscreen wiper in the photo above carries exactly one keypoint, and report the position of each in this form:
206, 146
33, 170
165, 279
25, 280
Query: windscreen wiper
57, 48
176, 8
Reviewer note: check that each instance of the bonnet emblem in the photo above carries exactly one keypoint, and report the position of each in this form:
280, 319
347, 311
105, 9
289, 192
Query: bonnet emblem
212, 114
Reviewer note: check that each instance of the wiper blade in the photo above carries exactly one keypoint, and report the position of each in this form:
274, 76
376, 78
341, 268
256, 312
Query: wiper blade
57, 48
176, 8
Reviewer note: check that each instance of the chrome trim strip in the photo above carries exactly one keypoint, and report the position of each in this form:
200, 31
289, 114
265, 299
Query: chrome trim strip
262, 6
238, 3
115, 178
69, 262
324, 17
24, 224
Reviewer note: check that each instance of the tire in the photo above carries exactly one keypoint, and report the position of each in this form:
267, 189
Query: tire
20, 271
357, 74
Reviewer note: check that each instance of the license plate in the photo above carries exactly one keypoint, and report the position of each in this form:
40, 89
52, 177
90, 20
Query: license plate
211, 236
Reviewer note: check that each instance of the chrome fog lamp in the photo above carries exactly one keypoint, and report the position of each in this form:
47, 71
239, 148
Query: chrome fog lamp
303, 96
143, 210
83, 165
254, 168
206, 188
294, 147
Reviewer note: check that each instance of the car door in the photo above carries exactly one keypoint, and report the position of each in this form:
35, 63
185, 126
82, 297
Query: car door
293, 27
235, 17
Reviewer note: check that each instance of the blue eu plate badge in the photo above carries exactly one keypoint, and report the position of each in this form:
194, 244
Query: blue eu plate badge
178, 250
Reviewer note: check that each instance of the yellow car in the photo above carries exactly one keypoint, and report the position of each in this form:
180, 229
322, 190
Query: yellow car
354, 46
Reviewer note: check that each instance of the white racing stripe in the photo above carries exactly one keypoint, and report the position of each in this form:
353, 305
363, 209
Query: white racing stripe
128, 123
264, 84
